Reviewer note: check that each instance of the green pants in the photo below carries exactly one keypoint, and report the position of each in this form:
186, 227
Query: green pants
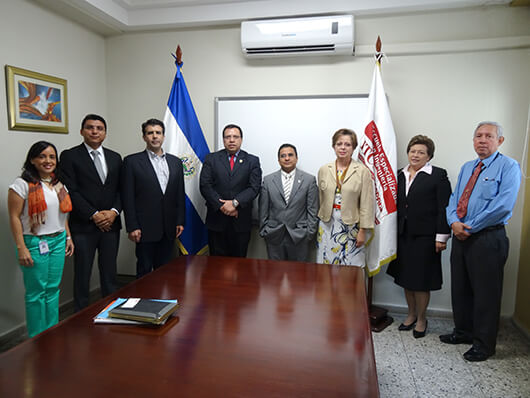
42, 282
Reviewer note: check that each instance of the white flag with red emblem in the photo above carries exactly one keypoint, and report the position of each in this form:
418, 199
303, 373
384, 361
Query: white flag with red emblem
377, 151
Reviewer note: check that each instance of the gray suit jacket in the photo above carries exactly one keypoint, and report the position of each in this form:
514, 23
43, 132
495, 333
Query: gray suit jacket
298, 217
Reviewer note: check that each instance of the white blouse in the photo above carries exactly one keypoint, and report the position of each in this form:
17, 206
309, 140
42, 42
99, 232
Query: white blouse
55, 218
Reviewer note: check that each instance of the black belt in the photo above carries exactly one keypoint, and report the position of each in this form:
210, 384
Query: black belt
492, 228
53, 235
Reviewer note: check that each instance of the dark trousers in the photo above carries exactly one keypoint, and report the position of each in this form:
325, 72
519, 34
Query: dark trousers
288, 250
86, 244
151, 255
228, 243
477, 270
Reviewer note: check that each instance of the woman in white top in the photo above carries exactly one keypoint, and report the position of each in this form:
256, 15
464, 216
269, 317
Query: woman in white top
38, 205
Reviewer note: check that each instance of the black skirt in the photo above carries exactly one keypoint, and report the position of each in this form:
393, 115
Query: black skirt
417, 267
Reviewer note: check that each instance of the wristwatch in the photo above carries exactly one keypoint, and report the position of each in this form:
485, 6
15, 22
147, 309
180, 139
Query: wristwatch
235, 203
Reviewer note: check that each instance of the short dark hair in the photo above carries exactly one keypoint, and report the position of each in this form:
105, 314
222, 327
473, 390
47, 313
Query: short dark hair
422, 140
29, 171
287, 146
348, 132
153, 122
232, 126
92, 116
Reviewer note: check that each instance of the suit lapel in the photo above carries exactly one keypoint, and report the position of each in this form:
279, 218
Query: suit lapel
351, 170
240, 159
147, 165
277, 181
419, 176
87, 158
171, 167
298, 180
223, 159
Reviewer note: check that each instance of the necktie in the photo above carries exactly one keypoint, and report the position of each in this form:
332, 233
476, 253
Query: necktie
99, 166
287, 188
461, 209
232, 162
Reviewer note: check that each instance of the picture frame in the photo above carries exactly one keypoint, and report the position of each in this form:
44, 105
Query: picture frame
35, 101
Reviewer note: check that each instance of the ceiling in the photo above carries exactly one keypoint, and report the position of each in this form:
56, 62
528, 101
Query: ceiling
114, 17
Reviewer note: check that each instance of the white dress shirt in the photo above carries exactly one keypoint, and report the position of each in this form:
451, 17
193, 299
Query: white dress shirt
288, 178
161, 168
101, 156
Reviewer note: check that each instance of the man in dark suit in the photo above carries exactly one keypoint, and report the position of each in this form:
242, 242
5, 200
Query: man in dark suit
92, 176
153, 199
230, 180
288, 206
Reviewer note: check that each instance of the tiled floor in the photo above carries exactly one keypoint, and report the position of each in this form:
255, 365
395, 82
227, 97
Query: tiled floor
409, 367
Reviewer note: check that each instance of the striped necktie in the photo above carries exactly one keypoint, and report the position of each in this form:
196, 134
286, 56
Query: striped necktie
287, 188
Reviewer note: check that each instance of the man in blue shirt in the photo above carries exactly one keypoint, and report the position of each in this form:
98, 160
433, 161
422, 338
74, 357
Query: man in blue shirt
478, 209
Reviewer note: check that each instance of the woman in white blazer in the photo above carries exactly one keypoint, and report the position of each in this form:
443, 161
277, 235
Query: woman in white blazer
346, 210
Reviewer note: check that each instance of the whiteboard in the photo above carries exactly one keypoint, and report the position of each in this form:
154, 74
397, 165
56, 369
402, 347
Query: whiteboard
307, 122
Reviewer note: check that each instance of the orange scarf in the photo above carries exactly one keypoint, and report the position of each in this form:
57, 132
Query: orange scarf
37, 205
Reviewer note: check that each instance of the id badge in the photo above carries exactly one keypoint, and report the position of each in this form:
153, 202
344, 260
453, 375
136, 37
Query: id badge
43, 247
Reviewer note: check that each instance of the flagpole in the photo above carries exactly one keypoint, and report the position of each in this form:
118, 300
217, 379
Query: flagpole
184, 138
379, 318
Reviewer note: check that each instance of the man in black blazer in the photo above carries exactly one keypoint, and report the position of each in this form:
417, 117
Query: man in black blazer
153, 199
230, 180
92, 176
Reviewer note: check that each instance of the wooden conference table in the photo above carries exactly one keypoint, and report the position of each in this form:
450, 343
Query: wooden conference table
245, 328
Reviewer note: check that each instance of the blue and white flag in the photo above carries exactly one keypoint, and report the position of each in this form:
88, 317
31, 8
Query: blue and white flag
184, 138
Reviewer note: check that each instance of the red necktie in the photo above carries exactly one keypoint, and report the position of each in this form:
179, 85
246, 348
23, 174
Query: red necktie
232, 162
461, 209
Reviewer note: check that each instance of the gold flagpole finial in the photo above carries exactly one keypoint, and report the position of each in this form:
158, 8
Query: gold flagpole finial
178, 53
378, 52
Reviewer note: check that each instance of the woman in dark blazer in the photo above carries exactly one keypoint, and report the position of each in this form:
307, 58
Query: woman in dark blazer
423, 194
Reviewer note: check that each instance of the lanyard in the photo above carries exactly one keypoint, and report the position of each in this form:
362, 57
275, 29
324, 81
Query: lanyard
340, 180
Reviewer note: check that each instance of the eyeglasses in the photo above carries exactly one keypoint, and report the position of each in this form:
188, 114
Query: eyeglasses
92, 127
231, 137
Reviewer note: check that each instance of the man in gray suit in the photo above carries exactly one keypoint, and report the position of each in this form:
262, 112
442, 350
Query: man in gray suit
288, 206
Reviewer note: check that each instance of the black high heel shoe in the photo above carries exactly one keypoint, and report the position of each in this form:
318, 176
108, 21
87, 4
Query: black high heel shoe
419, 335
404, 327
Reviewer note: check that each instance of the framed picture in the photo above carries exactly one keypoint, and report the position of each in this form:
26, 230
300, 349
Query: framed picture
36, 102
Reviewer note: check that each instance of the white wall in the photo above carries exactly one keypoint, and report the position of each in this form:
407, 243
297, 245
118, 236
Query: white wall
35, 39
442, 95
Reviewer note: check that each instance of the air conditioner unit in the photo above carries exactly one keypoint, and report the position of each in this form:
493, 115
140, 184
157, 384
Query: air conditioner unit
330, 35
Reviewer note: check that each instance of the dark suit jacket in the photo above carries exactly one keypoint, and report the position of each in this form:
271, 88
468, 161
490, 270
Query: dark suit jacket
87, 191
145, 206
423, 209
217, 181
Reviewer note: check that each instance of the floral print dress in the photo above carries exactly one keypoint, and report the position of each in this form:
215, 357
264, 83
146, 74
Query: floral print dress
336, 241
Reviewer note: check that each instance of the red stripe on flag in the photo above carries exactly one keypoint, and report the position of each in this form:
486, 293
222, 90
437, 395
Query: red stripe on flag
383, 169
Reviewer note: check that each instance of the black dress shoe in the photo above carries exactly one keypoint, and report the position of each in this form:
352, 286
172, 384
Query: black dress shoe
419, 335
403, 327
454, 338
475, 355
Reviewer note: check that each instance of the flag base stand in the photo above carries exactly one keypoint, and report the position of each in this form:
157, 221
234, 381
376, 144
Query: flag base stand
379, 318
